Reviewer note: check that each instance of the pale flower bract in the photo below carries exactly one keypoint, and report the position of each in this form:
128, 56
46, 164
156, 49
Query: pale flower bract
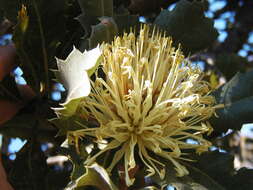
74, 73
150, 102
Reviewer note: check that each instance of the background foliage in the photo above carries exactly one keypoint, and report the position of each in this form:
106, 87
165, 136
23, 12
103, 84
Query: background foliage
44, 29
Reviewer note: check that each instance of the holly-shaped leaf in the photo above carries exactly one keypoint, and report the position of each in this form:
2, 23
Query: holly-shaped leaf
101, 24
187, 25
91, 11
95, 176
103, 32
73, 73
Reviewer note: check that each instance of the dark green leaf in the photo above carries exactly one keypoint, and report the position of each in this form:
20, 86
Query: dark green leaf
92, 11
67, 124
236, 95
239, 87
31, 121
234, 115
219, 166
146, 7
196, 180
108, 28
230, 63
75, 158
103, 32
19, 126
86, 23
96, 8
110, 24
126, 21
242, 180
187, 25
36, 46
10, 9
26, 126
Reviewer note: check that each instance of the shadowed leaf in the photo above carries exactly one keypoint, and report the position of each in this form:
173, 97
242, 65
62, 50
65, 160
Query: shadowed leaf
234, 115
187, 25
242, 180
237, 96
240, 86
103, 32
10, 9
110, 24
196, 180
75, 158
230, 63
36, 52
67, 124
218, 165
96, 8
148, 6
95, 176
126, 21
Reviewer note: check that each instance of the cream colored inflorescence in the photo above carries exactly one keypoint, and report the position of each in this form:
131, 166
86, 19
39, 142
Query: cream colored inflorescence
151, 102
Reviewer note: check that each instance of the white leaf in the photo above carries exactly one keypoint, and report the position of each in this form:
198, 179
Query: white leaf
74, 73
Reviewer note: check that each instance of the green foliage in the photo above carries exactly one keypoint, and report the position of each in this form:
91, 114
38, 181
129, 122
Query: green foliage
67, 124
25, 169
45, 30
10, 9
30, 170
241, 181
222, 166
236, 95
36, 52
76, 159
196, 180
110, 24
103, 32
96, 8
95, 176
188, 26
31, 121
230, 63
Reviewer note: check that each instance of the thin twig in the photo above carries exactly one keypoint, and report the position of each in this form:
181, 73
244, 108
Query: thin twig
43, 44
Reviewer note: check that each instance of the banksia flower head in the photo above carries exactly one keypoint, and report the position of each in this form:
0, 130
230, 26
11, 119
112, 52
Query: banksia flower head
151, 101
